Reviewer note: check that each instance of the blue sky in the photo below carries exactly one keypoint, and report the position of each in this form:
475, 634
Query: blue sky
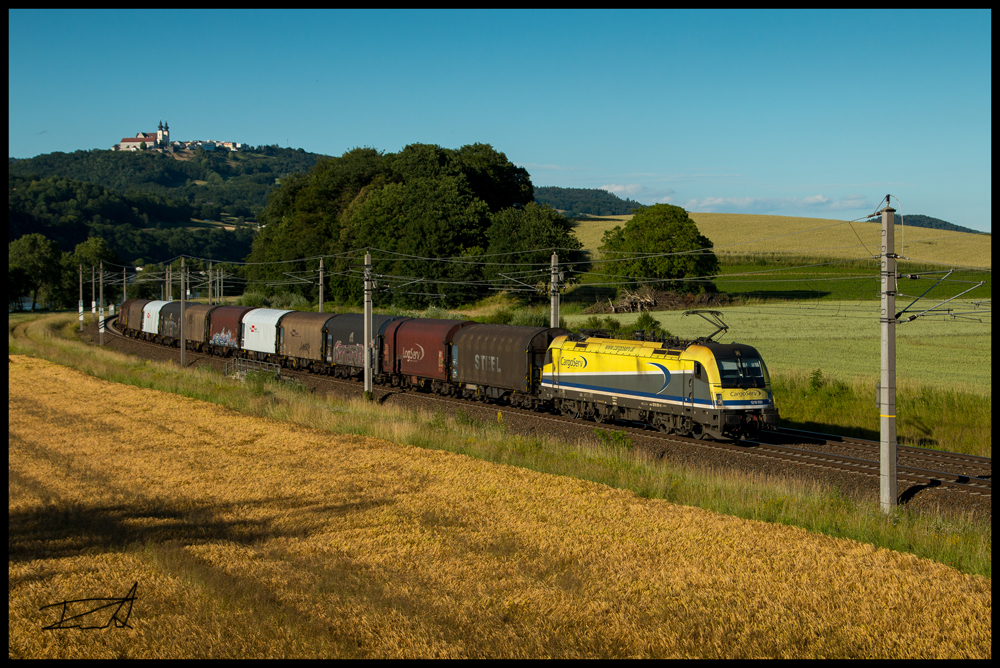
805, 113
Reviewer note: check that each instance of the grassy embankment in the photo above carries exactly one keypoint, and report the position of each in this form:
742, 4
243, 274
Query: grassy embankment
958, 541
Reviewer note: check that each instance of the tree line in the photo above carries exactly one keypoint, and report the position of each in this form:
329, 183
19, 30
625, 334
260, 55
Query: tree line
212, 183
580, 201
450, 223
54, 224
446, 227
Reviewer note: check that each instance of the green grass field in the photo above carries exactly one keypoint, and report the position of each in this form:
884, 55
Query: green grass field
768, 277
842, 339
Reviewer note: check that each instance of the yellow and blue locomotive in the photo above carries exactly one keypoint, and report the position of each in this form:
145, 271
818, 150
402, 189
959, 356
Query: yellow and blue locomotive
695, 388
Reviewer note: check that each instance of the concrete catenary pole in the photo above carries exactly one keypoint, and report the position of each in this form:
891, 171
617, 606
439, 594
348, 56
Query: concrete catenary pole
183, 340
321, 285
554, 292
100, 306
210, 283
887, 387
93, 291
124, 285
81, 296
368, 324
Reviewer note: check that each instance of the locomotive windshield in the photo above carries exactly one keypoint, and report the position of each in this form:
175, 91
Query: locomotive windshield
741, 372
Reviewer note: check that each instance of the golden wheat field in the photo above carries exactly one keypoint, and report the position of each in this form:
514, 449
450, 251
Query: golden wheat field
254, 538
747, 233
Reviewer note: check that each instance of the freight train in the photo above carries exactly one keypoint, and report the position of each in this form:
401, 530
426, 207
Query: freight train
698, 388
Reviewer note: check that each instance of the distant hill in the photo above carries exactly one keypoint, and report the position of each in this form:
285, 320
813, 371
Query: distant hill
915, 220
135, 225
579, 201
215, 183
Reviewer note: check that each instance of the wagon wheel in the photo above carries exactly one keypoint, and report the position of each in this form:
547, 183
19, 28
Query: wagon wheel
662, 425
571, 409
600, 417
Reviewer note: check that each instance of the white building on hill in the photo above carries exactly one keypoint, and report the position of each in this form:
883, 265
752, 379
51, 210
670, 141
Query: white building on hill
158, 139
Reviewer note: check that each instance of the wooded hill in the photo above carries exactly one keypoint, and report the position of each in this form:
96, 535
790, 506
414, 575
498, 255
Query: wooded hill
213, 183
137, 225
914, 220
580, 201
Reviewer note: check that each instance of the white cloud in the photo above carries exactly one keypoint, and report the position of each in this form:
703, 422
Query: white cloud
815, 199
629, 189
639, 192
779, 205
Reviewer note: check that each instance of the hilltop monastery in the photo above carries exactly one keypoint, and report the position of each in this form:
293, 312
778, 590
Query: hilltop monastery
160, 141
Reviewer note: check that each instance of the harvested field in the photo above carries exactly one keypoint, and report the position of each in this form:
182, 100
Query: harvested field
748, 233
255, 538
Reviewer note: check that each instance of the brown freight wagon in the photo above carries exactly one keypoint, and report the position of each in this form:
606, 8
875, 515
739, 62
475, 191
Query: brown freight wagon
170, 320
196, 317
225, 327
345, 334
500, 357
301, 335
419, 347
132, 314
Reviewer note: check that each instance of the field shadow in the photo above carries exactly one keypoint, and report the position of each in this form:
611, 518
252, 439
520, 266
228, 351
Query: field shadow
831, 429
589, 294
55, 531
781, 295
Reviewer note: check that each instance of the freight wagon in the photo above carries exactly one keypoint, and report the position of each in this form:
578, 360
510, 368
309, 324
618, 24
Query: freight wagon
698, 388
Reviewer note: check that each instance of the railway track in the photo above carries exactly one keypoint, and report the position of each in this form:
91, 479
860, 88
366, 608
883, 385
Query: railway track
918, 466
912, 457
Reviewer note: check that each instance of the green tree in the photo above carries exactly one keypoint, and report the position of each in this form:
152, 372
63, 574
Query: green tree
89, 253
418, 222
527, 236
496, 180
425, 202
661, 242
38, 258
18, 287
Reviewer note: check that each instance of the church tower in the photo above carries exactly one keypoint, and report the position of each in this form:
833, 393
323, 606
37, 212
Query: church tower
163, 134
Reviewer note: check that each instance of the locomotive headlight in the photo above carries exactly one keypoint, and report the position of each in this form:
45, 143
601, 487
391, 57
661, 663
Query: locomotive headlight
718, 399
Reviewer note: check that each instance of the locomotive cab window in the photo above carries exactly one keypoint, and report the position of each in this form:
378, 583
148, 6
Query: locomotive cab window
741, 372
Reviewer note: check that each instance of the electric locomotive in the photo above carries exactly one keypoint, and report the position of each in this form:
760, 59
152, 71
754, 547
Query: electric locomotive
698, 388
